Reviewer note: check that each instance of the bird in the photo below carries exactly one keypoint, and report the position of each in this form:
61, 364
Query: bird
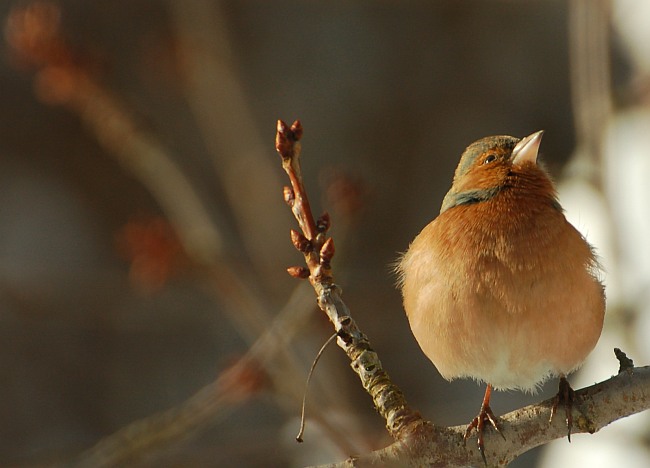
500, 287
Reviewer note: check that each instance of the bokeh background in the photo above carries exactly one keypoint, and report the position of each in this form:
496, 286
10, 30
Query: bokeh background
146, 318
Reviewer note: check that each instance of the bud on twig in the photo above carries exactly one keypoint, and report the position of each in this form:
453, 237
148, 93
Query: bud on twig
300, 242
327, 252
286, 138
298, 272
296, 130
283, 144
289, 196
323, 224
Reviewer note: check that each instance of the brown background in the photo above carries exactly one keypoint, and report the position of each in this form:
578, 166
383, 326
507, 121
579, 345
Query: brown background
389, 94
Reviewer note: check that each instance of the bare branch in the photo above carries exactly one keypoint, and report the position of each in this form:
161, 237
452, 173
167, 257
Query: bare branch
524, 429
318, 250
233, 387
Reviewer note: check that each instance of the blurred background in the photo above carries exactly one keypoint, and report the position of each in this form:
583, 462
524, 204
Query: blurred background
146, 318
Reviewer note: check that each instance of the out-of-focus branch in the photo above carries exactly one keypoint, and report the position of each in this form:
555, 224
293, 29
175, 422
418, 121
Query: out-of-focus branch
34, 32
589, 67
62, 79
217, 99
235, 386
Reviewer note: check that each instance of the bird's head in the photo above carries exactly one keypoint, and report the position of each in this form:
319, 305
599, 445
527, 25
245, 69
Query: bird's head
492, 163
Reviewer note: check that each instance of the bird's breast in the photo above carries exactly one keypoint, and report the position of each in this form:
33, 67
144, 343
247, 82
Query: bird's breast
503, 292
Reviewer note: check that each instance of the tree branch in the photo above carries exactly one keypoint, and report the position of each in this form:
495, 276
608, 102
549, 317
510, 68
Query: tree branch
524, 429
419, 442
318, 250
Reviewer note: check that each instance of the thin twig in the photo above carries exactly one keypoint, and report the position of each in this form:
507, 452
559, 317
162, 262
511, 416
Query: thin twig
34, 32
211, 403
318, 250
301, 431
589, 69
223, 115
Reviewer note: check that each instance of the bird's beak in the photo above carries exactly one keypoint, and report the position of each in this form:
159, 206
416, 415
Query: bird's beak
526, 150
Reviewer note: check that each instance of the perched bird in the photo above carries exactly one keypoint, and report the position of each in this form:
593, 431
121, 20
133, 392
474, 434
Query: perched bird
500, 287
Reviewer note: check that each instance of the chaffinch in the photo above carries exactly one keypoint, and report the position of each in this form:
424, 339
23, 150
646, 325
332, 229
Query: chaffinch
500, 287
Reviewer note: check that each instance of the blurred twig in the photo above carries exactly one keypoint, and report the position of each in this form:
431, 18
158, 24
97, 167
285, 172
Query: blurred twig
212, 403
589, 66
223, 116
34, 34
35, 29
61, 79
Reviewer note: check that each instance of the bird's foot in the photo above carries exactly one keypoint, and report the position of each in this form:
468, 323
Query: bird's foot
485, 417
565, 395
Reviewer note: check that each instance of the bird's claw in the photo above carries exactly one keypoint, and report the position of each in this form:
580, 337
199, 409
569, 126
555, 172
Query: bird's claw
484, 417
566, 395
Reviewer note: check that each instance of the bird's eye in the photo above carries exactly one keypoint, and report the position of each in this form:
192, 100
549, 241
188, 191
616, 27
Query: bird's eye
490, 158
